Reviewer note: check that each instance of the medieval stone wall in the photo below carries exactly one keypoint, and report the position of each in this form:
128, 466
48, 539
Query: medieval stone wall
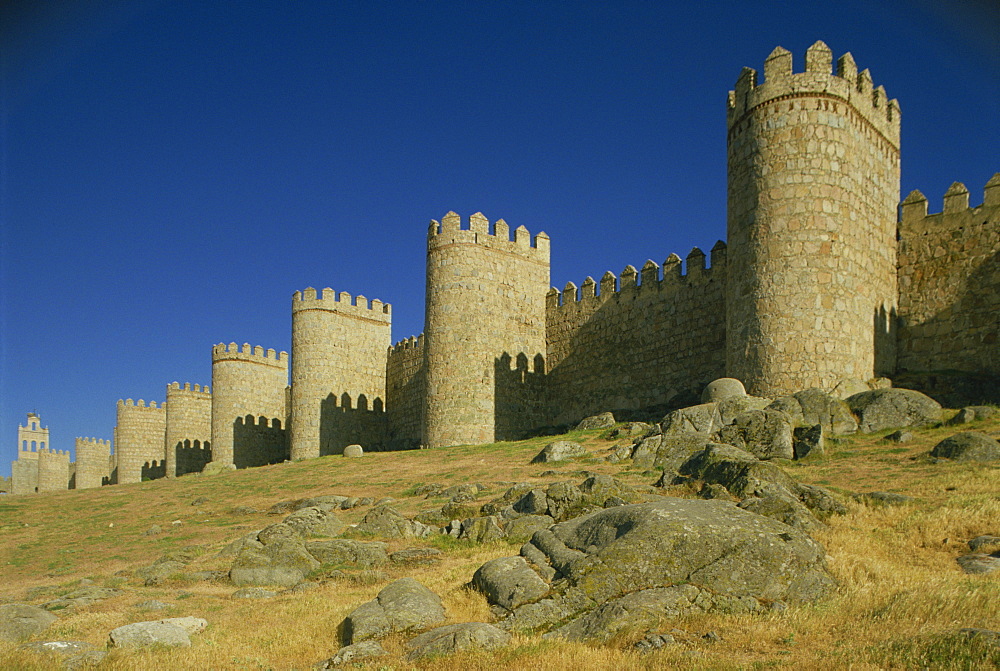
245, 382
188, 428
485, 299
638, 346
339, 345
404, 393
813, 187
91, 462
53, 470
139, 439
949, 283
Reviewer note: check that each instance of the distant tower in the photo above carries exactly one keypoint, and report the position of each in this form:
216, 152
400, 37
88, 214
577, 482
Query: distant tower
92, 462
813, 186
139, 439
188, 428
247, 383
53, 470
339, 346
485, 299
30, 439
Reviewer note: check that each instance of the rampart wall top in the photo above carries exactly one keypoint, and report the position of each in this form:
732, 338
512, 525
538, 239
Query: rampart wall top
187, 389
232, 352
913, 211
342, 302
450, 231
847, 85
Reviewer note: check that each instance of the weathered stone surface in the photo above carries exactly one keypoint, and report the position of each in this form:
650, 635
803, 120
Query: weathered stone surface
325, 502
979, 563
605, 420
808, 440
778, 503
968, 446
416, 556
353, 653
559, 451
901, 436
669, 451
314, 521
735, 406
509, 582
481, 529
848, 387
704, 418
455, 637
366, 554
893, 408
387, 522
253, 593
354, 451
883, 498
404, 605
767, 434
522, 528
819, 407
19, 621
83, 596
630, 430
721, 389
734, 559
737, 470
984, 543
278, 556
148, 634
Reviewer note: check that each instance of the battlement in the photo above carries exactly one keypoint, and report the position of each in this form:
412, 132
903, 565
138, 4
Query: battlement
651, 279
452, 230
256, 354
782, 85
55, 454
261, 421
342, 302
413, 342
140, 405
187, 389
93, 442
913, 211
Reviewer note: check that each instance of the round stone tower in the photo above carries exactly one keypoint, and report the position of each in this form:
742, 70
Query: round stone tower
339, 346
247, 381
188, 429
139, 438
53, 470
485, 306
91, 462
813, 167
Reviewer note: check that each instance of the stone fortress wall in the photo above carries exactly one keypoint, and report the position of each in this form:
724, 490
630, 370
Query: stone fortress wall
248, 385
139, 440
949, 283
819, 281
338, 371
188, 437
91, 462
53, 470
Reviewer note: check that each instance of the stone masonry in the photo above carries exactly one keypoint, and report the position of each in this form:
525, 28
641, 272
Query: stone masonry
819, 281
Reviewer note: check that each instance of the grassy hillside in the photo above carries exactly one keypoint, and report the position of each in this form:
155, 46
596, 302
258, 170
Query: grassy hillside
901, 598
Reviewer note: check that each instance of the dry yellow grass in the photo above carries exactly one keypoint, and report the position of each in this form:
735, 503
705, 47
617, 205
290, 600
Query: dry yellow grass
900, 601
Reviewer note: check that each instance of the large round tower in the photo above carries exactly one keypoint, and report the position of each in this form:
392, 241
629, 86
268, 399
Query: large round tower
485, 309
339, 346
813, 163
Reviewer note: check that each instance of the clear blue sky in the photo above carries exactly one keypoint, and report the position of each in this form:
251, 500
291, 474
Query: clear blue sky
173, 171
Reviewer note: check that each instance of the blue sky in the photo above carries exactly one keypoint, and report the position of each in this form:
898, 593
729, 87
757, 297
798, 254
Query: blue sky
172, 171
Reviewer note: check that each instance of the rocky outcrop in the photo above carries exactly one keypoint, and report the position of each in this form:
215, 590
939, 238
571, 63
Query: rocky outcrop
315, 521
386, 522
626, 566
892, 409
604, 420
455, 637
559, 450
277, 556
402, 606
19, 621
345, 551
171, 632
968, 446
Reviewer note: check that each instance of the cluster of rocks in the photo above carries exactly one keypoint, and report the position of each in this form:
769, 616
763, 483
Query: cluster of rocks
984, 556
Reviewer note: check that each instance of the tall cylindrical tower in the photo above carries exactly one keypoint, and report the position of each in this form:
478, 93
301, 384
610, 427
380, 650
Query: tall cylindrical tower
245, 382
813, 185
339, 346
91, 462
139, 437
485, 300
189, 428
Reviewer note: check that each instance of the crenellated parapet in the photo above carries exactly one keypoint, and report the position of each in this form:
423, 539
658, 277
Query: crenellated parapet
256, 354
451, 230
176, 389
948, 264
647, 281
817, 83
342, 303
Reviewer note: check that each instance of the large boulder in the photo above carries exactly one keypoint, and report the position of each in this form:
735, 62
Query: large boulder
604, 420
509, 582
387, 522
456, 637
19, 621
892, 409
277, 556
559, 450
148, 634
968, 446
737, 470
404, 605
721, 389
346, 551
704, 418
676, 556
315, 521
352, 653
815, 406
767, 434
668, 451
